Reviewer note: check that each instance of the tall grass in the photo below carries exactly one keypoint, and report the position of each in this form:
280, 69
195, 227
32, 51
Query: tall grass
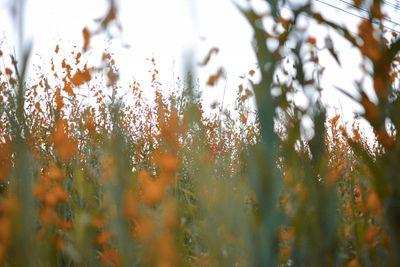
115, 180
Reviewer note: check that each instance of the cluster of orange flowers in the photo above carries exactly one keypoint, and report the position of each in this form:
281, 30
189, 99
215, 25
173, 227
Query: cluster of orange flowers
50, 192
65, 146
8, 210
147, 227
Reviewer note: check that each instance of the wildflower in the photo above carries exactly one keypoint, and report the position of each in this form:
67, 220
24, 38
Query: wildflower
65, 146
170, 217
373, 202
152, 192
98, 222
353, 263
4, 160
103, 238
144, 228
167, 251
130, 207
111, 256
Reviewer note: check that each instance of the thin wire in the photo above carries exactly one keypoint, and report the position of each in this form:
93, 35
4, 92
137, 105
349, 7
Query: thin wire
355, 15
352, 5
363, 9
395, 6
341, 9
394, 2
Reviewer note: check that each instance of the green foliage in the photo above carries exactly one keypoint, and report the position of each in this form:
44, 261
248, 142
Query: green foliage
120, 181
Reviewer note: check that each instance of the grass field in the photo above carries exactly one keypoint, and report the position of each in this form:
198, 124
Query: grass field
91, 177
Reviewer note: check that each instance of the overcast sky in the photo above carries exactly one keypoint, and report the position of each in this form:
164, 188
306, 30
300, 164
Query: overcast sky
171, 30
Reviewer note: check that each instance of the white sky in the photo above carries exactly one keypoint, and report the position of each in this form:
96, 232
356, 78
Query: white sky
171, 30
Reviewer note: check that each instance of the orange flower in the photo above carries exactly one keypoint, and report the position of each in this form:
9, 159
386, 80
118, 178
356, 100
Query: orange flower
284, 200
67, 88
66, 150
167, 251
153, 192
144, 229
170, 218
373, 202
98, 222
60, 243
5, 229
40, 191
288, 234
130, 209
167, 178
359, 198
86, 39
347, 234
333, 176
65, 146
81, 77
311, 40
353, 263
4, 160
50, 199
212, 80
58, 99
66, 225
371, 233
108, 168
103, 238
46, 214
55, 173
286, 250
111, 256
288, 177
349, 209
8, 71
90, 126
168, 162
59, 192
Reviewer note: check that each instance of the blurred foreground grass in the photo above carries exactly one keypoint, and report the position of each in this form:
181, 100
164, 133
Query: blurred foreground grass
121, 181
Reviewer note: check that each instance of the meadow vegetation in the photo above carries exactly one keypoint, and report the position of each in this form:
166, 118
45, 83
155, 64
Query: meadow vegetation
90, 176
